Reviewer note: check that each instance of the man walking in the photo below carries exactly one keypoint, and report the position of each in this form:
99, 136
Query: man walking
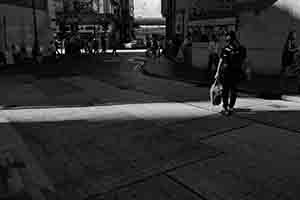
114, 44
229, 71
103, 43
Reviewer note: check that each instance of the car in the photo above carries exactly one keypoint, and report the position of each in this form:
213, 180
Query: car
135, 44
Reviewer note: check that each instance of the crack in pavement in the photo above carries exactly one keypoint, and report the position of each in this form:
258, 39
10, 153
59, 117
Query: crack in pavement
147, 177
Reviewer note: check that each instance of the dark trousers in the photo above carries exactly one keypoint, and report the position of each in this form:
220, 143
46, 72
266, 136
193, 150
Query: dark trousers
229, 91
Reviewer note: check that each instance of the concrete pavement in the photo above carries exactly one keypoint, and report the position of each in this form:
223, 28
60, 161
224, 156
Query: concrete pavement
123, 135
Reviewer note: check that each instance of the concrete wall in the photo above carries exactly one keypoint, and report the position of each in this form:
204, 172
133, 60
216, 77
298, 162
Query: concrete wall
19, 26
264, 35
200, 55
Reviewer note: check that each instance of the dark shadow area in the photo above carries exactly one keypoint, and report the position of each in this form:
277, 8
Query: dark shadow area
85, 158
90, 157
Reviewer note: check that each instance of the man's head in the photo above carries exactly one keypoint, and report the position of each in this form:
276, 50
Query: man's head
230, 37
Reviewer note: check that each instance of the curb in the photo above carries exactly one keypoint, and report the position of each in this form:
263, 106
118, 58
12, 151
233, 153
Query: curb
262, 95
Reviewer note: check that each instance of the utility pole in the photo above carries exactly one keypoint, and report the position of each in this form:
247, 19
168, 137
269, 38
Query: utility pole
36, 41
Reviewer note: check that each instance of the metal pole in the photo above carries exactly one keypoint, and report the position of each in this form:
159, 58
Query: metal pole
36, 41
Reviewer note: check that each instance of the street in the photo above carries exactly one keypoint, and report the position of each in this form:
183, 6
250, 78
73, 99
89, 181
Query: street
110, 132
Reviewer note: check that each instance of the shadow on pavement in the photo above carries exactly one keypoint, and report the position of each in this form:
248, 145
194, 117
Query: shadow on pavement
93, 150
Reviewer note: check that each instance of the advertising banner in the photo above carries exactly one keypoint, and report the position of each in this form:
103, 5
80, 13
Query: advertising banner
179, 23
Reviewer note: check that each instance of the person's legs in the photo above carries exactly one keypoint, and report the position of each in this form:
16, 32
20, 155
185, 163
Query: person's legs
225, 94
233, 96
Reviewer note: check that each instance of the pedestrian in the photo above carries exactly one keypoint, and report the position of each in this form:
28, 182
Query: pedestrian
114, 44
288, 58
229, 71
103, 43
213, 56
148, 45
90, 46
163, 46
289, 50
23, 55
57, 46
154, 47
95, 46
52, 49
15, 54
2, 58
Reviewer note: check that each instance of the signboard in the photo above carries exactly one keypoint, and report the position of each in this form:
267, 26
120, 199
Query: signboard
205, 9
179, 23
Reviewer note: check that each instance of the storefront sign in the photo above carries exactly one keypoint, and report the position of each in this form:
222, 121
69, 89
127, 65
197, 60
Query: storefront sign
204, 9
179, 23
214, 22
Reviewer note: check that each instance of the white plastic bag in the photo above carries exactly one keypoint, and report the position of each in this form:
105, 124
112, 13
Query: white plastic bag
216, 93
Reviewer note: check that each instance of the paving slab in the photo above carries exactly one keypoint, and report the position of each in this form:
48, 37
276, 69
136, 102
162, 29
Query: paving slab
259, 162
21, 94
33, 176
206, 126
277, 113
106, 93
105, 155
161, 188
70, 155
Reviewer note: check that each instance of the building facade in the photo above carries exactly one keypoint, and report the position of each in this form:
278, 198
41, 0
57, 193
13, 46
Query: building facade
262, 26
17, 24
126, 20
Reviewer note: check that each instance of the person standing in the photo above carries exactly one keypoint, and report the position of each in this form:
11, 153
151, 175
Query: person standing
95, 46
229, 71
103, 43
15, 54
213, 58
288, 58
2, 58
114, 44
289, 50
154, 47
148, 45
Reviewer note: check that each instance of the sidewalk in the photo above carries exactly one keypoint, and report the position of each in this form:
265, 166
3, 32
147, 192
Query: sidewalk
261, 85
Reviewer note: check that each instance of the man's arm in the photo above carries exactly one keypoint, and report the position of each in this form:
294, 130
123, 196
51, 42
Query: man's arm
218, 68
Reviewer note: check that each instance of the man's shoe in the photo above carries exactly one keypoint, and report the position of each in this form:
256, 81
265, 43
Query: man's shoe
230, 110
225, 111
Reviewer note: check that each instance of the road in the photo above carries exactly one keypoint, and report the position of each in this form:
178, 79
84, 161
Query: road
111, 132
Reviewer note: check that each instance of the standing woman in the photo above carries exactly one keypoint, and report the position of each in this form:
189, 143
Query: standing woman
289, 52
228, 72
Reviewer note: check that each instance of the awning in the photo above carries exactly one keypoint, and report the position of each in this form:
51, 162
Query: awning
214, 22
86, 18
